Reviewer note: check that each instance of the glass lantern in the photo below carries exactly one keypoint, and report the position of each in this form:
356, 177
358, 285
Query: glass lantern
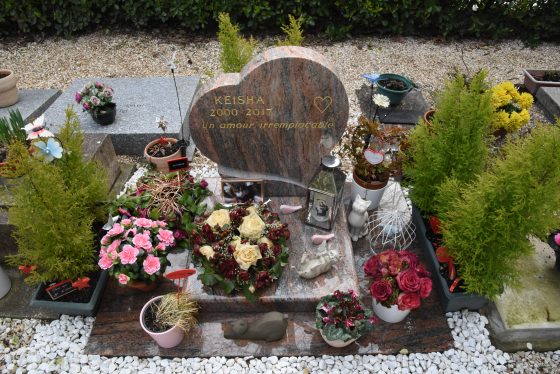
324, 194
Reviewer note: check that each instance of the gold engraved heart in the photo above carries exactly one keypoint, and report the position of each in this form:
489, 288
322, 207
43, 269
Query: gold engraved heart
322, 103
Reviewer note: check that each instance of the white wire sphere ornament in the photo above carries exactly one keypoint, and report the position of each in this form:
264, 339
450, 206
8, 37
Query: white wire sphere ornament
390, 226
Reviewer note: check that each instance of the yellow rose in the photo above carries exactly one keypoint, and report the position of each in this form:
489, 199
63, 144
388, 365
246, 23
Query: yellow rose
219, 218
236, 240
266, 241
252, 210
207, 251
246, 255
251, 227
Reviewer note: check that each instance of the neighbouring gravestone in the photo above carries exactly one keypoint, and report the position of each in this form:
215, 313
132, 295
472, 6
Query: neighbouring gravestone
549, 98
274, 120
32, 103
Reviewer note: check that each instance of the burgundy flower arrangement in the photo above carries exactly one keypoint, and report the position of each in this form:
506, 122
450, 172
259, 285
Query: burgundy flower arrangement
240, 249
342, 316
136, 250
398, 278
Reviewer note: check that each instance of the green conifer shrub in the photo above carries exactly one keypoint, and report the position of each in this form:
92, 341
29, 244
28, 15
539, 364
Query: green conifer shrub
55, 204
294, 34
455, 145
236, 50
487, 223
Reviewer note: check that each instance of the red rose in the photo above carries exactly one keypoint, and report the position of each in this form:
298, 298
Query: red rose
381, 290
410, 258
425, 287
371, 267
408, 301
244, 275
408, 280
276, 249
203, 184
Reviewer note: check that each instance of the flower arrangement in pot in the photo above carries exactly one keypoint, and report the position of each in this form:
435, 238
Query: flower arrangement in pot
134, 251
342, 318
97, 99
174, 198
169, 317
511, 108
376, 154
399, 283
241, 249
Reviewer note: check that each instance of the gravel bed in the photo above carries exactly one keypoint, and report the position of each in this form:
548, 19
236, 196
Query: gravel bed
58, 347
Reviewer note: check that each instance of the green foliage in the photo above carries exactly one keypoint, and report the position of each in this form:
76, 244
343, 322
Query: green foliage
11, 128
55, 205
486, 226
294, 34
534, 21
455, 145
236, 51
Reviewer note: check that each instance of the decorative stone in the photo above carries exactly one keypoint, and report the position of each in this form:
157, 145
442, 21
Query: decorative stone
270, 327
318, 262
139, 101
274, 120
32, 103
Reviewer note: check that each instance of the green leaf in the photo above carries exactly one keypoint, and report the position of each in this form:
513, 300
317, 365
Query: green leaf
227, 285
208, 279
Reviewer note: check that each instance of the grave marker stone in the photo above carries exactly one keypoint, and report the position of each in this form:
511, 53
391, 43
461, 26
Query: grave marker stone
274, 120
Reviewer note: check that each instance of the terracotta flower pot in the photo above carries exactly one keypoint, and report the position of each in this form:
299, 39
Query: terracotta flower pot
371, 191
161, 162
428, 117
8, 88
337, 343
166, 339
392, 314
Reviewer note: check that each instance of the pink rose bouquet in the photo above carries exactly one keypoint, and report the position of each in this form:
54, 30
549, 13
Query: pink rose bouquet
135, 249
398, 278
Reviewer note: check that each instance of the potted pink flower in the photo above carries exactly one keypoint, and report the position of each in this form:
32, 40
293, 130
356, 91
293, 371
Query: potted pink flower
97, 99
135, 251
400, 282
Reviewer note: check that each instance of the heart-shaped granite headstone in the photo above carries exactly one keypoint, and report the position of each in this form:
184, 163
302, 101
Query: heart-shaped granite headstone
275, 120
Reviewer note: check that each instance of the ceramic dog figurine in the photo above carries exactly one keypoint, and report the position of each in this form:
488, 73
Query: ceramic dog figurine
357, 218
318, 263
270, 327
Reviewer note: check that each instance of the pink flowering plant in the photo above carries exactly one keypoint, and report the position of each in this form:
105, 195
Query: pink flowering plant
135, 249
398, 278
342, 316
94, 97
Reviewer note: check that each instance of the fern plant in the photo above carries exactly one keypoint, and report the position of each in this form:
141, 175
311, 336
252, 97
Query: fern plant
236, 50
455, 145
294, 34
487, 222
55, 204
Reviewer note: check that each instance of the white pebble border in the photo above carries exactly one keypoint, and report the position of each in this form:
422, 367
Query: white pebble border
57, 347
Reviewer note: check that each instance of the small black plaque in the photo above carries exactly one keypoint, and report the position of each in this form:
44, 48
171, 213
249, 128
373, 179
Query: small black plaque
60, 289
180, 163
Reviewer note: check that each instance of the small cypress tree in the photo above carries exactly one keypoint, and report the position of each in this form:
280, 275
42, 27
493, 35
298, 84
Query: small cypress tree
236, 51
55, 204
294, 34
487, 223
455, 145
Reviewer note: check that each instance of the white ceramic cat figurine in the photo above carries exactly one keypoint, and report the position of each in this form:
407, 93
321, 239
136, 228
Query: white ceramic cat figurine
358, 217
319, 262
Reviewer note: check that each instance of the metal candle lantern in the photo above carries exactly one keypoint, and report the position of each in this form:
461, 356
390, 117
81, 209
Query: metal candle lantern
324, 194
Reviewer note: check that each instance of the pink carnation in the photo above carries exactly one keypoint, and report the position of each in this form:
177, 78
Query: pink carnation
112, 249
126, 222
143, 222
161, 246
166, 236
117, 229
143, 241
105, 262
151, 264
123, 279
105, 240
128, 254
162, 223
133, 231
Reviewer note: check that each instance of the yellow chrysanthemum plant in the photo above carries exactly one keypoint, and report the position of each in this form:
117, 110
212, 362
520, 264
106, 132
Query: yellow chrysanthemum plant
511, 108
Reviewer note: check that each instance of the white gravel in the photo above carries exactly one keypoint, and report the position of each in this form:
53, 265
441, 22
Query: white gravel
57, 347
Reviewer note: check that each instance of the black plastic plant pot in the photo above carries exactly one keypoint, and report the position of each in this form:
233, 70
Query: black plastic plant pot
451, 301
88, 309
105, 116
